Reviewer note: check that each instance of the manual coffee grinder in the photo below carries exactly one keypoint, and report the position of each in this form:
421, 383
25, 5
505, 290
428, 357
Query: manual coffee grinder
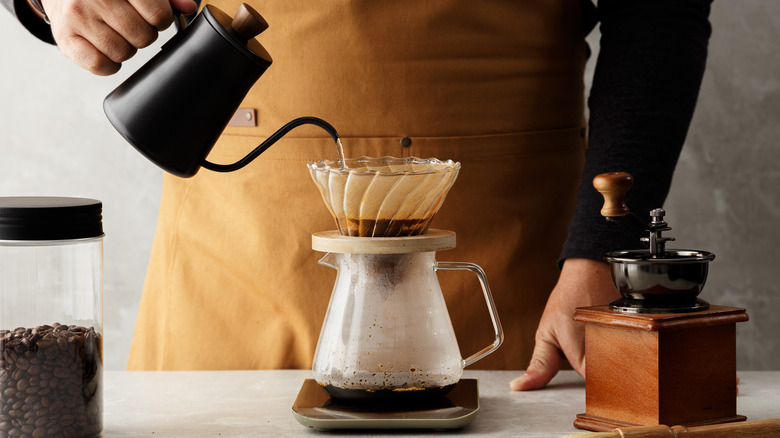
387, 356
659, 354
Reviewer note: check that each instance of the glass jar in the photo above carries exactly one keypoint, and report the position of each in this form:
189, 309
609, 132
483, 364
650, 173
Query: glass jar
51, 317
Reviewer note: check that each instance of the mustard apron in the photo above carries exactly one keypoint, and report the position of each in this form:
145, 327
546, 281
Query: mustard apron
233, 282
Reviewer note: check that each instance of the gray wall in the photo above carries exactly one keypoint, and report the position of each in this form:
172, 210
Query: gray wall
55, 140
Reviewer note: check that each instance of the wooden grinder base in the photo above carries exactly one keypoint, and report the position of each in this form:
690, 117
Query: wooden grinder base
650, 369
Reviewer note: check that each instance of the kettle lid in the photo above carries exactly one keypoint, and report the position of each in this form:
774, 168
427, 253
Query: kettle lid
240, 31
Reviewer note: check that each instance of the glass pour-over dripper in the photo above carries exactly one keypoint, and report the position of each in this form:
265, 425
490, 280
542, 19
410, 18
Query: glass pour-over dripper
385, 196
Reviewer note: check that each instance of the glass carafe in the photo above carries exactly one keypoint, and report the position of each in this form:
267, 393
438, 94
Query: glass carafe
387, 334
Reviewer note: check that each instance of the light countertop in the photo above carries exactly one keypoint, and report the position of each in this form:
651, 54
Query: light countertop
259, 403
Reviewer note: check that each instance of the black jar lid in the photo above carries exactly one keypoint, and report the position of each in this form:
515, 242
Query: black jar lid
50, 218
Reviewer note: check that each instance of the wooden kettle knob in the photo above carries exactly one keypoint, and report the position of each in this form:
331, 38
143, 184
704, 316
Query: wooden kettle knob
613, 186
247, 23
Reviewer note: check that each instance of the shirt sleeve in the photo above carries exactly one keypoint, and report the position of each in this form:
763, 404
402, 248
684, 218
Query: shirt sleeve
645, 86
24, 13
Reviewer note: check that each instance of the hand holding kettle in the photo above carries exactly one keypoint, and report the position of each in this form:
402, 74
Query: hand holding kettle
99, 35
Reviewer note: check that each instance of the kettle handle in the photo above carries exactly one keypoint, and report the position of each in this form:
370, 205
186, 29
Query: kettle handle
270, 141
181, 21
461, 266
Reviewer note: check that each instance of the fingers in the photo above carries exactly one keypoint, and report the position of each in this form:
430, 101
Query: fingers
544, 366
98, 35
128, 23
158, 14
86, 56
582, 283
186, 7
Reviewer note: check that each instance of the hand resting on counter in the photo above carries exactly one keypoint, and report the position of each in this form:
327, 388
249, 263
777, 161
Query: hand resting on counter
582, 283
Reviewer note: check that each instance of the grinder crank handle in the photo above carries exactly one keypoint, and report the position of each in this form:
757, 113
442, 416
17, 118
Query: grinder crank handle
460, 266
613, 187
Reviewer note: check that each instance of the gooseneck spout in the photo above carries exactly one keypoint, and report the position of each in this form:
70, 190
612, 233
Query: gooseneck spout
270, 141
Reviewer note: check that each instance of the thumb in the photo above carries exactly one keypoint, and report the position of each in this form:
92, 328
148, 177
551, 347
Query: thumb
545, 363
186, 7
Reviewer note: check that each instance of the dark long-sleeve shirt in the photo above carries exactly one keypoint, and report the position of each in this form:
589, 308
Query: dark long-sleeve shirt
21, 9
646, 83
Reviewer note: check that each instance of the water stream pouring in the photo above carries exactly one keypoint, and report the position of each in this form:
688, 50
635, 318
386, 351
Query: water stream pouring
175, 107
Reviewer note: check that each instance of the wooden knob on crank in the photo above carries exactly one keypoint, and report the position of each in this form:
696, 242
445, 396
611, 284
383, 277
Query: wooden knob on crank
613, 186
247, 23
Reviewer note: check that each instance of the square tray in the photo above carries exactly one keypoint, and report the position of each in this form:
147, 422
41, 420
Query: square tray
314, 408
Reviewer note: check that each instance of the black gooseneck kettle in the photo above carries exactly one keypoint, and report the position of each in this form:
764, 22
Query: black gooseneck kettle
175, 107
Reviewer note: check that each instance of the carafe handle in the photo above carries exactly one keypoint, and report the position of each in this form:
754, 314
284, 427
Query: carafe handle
461, 266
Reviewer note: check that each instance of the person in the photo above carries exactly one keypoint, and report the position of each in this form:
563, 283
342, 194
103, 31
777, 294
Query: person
498, 86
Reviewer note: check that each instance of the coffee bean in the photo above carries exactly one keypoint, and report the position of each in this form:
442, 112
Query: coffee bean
57, 406
21, 385
61, 372
45, 342
50, 379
